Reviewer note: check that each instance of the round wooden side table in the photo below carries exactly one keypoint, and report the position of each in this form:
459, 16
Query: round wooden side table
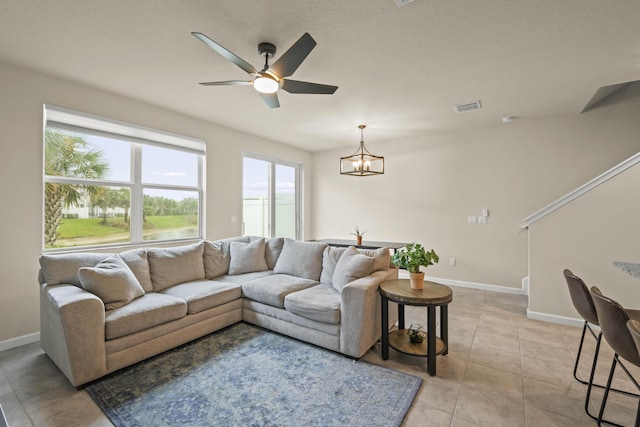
432, 296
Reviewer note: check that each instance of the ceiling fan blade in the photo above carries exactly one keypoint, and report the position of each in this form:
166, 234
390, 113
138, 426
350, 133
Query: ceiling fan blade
271, 99
289, 62
228, 83
230, 56
295, 86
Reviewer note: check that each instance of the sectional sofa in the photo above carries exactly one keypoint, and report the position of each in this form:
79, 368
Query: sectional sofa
101, 312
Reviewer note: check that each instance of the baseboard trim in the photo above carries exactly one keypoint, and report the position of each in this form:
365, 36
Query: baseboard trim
403, 274
562, 320
19, 341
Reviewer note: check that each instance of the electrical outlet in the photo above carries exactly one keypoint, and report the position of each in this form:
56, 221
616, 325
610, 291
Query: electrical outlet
471, 219
452, 261
482, 220
234, 219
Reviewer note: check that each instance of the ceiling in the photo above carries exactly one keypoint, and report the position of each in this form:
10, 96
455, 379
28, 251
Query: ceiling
399, 69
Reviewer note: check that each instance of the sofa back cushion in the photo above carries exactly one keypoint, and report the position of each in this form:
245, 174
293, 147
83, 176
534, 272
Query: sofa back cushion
137, 261
217, 256
351, 266
63, 268
112, 281
301, 259
272, 250
330, 259
381, 256
171, 266
247, 257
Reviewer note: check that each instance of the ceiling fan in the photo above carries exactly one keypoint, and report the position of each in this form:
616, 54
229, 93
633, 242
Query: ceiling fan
271, 78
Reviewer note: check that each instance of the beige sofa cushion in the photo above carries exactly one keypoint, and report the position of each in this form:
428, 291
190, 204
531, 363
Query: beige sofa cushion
330, 259
137, 261
217, 257
320, 303
272, 250
112, 281
63, 268
202, 295
381, 256
150, 310
352, 266
247, 257
273, 289
301, 259
172, 266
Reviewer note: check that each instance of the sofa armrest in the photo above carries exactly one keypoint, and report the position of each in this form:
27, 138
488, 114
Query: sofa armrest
361, 313
72, 331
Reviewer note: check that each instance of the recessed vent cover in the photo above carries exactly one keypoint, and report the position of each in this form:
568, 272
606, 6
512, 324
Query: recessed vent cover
463, 108
401, 3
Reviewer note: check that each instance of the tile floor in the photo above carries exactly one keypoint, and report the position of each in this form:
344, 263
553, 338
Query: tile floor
502, 370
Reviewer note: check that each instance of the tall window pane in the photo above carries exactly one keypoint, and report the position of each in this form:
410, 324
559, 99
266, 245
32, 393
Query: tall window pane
285, 201
270, 197
255, 197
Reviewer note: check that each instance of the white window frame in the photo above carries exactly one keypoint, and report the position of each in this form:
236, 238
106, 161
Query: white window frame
138, 136
273, 161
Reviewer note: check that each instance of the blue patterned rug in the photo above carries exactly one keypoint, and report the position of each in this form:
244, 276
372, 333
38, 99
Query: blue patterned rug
248, 376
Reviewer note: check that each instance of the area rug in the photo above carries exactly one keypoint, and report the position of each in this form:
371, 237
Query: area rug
247, 376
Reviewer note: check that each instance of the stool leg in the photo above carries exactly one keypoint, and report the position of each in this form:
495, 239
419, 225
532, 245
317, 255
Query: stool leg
607, 388
593, 371
575, 367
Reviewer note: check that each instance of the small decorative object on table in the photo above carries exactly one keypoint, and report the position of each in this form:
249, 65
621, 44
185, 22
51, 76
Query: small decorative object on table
358, 234
411, 257
416, 333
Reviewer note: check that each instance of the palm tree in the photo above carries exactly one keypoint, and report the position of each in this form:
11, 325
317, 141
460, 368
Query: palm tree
68, 156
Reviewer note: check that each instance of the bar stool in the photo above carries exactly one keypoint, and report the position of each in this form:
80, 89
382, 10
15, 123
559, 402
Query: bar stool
583, 303
613, 320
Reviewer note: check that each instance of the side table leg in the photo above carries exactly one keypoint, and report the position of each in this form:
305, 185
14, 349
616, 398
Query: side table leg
431, 340
385, 328
444, 327
400, 316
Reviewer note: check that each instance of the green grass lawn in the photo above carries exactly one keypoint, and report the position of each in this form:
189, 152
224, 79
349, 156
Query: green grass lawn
90, 231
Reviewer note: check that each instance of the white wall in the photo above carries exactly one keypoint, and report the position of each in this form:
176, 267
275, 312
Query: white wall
432, 183
21, 104
587, 236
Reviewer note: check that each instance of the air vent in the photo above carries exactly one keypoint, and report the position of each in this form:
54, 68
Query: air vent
463, 108
401, 3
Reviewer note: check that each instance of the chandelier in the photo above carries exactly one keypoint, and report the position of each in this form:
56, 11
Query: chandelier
362, 162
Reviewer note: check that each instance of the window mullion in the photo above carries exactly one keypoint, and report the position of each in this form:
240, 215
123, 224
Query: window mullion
137, 198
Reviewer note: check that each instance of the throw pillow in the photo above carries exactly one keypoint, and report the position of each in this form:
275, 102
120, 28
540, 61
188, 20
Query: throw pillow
112, 281
217, 258
300, 259
352, 266
172, 266
382, 258
63, 268
273, 251
330, 258
247, 257
137, 261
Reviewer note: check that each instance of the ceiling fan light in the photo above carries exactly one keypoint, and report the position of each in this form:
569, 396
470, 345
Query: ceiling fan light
265, 84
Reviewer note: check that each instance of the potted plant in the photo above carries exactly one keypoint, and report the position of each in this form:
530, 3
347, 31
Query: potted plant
416, 333
411, 257
358, 234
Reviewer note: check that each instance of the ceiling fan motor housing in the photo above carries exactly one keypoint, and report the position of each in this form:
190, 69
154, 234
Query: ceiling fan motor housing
266, 48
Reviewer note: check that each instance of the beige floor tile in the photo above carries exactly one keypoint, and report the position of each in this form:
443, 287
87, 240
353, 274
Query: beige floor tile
427, 417
553, 340
620, 408
545, 352
488, 409
496, 358
538, 418
560, 374
565, 401
439, 393
498, 326
77, 411
14, 411
493, 380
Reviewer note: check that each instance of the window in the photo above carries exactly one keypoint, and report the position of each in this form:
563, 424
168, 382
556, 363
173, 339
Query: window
108, 182
271, 197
